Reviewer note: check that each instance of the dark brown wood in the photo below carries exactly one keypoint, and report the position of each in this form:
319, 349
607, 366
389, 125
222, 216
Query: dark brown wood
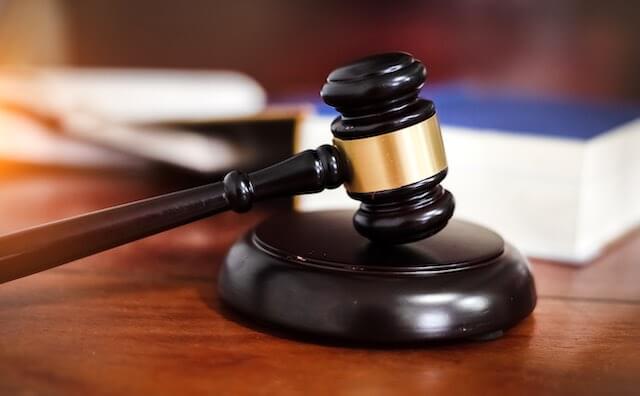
312, 273
145, 318
42, 247
406, 214
377, 95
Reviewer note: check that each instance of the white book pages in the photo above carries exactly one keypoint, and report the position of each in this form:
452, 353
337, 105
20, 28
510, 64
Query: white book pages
551, 197
135, 95
25, 141
106, 107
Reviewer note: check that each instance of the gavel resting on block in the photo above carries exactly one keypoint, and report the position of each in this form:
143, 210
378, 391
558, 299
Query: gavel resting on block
399, 270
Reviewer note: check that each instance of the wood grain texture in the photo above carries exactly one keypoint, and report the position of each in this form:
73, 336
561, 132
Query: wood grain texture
144, 319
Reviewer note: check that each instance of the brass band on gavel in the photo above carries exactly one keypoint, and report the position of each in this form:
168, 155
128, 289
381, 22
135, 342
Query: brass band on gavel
394, 159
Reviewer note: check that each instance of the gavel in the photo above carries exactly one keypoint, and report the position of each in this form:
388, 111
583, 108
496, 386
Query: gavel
407, 273
387, 150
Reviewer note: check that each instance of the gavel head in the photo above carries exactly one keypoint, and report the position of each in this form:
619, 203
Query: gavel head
392, 147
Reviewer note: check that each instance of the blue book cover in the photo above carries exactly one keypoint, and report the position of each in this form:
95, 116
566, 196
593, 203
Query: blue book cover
460, 105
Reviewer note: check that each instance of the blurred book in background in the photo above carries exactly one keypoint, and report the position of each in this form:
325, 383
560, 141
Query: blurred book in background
556, 175
195, 121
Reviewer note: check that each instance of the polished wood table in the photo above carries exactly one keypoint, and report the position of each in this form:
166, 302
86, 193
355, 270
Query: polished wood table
144, 318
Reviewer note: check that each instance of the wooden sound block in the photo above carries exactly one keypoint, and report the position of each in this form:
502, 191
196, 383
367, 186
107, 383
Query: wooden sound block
313, 273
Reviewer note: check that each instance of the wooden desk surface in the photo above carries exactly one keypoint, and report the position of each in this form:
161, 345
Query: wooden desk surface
144, 319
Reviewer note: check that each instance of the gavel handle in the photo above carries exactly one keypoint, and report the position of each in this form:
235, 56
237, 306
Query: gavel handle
42, 247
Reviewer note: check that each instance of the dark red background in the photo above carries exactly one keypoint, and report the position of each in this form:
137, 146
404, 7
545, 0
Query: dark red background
579, 47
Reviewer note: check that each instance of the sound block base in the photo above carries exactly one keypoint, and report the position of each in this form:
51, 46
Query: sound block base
312, 273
